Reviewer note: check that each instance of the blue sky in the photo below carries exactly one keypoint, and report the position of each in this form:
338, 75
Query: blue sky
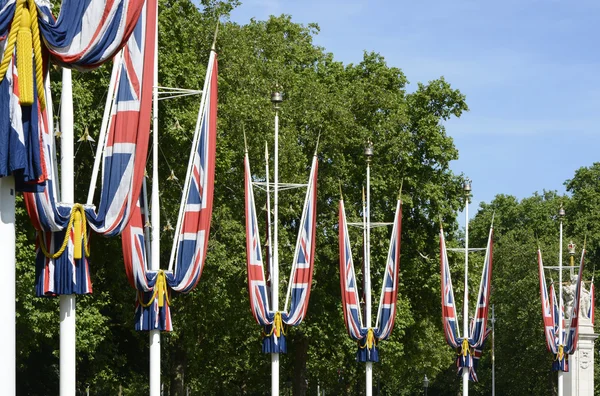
530, 70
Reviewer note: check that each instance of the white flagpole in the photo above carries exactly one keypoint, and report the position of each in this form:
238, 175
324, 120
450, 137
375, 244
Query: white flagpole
7, 283
465, 374
110, 100
561, 214
270, 237
276, 99
367, 275
67, 302
155, 219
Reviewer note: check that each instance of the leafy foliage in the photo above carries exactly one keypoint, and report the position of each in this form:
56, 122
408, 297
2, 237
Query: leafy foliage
215, 348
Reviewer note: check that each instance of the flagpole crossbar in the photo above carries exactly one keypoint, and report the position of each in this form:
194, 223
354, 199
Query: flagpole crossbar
281, 186
558, 268
371, 225
173, 92
463, 249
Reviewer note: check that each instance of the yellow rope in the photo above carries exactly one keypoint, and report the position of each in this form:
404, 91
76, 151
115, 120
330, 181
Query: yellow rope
277, 327
371, 340
12, 39
465, 347
77, 211
561, 354
25, 34
37, 54
160, 291
24, 62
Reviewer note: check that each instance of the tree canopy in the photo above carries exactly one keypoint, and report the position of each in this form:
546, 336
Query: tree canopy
215, 347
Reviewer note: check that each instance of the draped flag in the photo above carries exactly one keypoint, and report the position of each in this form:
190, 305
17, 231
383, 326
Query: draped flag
592, 303
298, 292
560, 344
573, 330
449, 318
470, 346
61, 262
367, 338
549, 309
86, 34
191, 237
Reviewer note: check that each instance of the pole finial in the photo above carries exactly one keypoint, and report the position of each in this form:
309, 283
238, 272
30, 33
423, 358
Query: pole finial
561, 211
341, 195
369, 151
276, 99
245, 142
467, 186
400, 191
214, 44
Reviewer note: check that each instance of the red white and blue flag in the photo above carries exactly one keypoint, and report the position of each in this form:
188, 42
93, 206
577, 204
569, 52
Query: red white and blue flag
298, 293
389, 288
573, 330
191, 238
124, 161
479, 323
87, 33
592, 302
386, 313
350, 299
549, 309
469, 346
449, 318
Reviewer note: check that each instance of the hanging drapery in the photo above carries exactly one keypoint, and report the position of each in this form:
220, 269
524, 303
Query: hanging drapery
592, 303
368, 337
63, 247
86, 34
298, 293
470, 345
191, 237
564, 344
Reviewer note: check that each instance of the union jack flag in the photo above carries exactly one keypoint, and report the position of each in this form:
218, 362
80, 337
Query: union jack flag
449, 318
194, 221
592, 302
350, 300
301, 274
124, 161
474, 341
573, 330
257, 289
298, 293
87, 33
386, 312
478, 326
193, 225
549, 309
389, 288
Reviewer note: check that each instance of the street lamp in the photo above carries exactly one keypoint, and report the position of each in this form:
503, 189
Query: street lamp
425, 384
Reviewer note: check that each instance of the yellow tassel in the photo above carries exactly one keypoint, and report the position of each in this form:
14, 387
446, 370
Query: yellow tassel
465, 347
24, 60
77, 253
161, 286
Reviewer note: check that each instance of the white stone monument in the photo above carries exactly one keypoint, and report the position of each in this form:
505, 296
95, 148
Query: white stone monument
579, 381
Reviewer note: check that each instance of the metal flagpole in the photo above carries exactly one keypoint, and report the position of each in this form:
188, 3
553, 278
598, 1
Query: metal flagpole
7, 284
465, 374
276, 99
493, 352
367, 274
67, 302
561, 215
155, 221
